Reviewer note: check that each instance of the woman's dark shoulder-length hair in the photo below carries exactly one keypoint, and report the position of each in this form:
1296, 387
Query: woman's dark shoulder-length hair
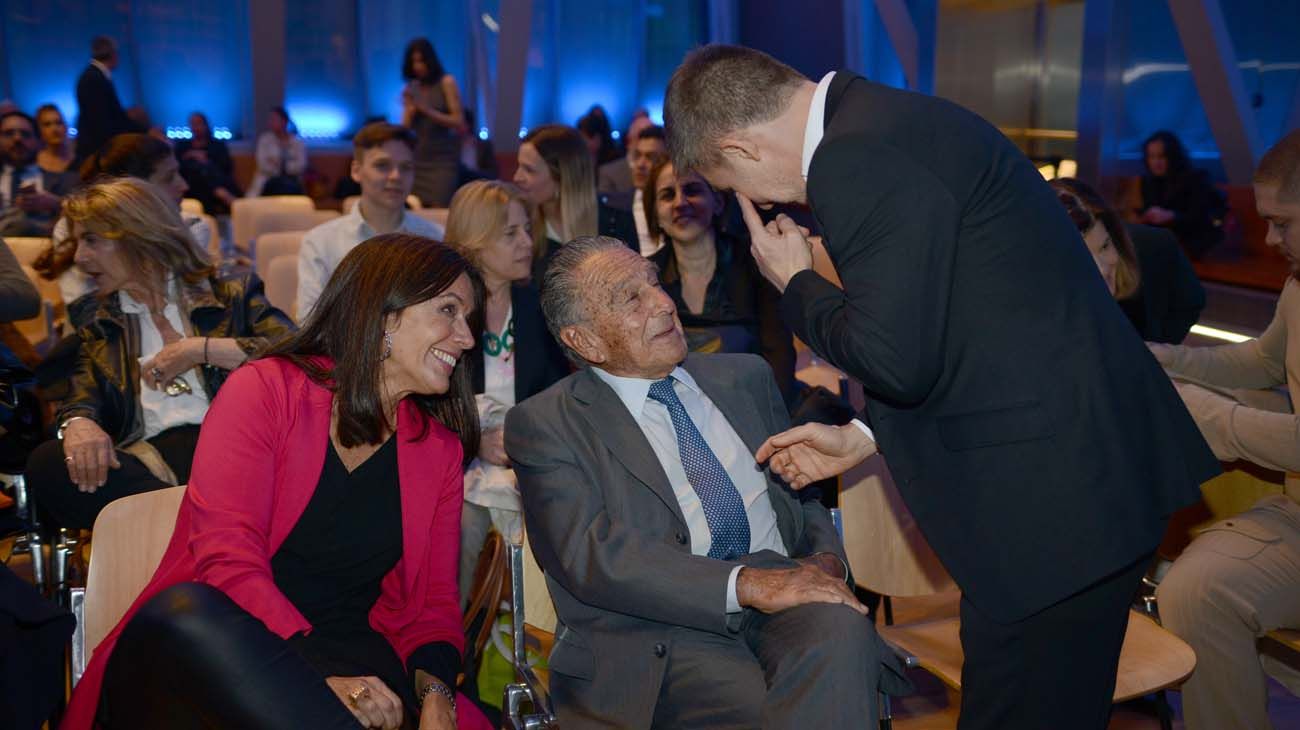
383, 275
432, 63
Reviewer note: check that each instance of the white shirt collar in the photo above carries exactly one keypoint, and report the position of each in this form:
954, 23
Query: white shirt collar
812, 134
635, 391
108, 73
365, 230
130, 305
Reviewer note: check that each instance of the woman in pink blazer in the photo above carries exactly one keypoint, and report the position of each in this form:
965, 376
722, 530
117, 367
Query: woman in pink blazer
311, 578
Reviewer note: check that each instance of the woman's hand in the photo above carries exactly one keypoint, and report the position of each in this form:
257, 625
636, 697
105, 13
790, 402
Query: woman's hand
437, 713
89, 454
369, 700
172, 360
492, 447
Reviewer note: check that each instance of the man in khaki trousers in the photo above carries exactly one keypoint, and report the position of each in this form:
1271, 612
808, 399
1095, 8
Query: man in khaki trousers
1241, 578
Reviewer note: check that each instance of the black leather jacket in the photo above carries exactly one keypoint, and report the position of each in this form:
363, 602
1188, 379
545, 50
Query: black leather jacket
106, 381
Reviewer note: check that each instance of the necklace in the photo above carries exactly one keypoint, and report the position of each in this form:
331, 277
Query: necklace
494, 345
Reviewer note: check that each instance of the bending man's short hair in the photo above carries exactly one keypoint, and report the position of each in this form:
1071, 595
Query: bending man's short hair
1280, 166
717, 90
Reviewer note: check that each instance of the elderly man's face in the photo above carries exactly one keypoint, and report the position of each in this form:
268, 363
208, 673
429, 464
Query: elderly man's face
634, 330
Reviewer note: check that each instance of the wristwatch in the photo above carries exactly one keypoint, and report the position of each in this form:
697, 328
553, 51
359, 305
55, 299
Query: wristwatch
62, 426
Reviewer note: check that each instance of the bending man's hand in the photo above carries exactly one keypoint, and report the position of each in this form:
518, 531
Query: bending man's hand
814, 451
781, 247
775, 589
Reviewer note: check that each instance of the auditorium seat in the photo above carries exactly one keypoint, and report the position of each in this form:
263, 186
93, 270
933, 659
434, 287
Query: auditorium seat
527, 702
26, 249
244, 213
127, 544
282, 283
192, 206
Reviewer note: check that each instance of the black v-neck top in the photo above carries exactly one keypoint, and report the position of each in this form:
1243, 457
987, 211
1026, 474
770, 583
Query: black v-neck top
349, 537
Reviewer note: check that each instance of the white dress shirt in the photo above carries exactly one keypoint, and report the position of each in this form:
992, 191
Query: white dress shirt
657, 425
812, 137
324, 246
162, 411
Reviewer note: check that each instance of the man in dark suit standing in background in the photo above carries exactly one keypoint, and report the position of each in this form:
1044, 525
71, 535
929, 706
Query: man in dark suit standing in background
100, 115
1035, 440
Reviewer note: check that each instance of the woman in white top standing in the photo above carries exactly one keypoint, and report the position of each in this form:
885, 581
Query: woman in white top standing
488, 224
163, 334
281, 158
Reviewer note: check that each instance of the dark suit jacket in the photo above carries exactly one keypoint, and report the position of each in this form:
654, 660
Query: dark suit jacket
1035, 439
610, 221
1170, 297
99, 114
608, 532
539, 360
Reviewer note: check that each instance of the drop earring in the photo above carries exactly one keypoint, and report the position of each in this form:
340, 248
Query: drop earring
388, 346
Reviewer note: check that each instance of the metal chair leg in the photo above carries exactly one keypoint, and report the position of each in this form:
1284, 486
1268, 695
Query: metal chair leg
886, 712
64, 548
31, 541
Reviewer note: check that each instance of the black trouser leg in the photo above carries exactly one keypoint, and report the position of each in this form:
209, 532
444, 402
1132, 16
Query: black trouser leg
67, 506
1054, 669
192, 658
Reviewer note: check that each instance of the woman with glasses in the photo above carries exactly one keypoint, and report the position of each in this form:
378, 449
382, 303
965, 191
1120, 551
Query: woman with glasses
163, 335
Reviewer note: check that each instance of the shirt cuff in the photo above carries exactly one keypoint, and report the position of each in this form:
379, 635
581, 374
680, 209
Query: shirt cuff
733, 602
865, 429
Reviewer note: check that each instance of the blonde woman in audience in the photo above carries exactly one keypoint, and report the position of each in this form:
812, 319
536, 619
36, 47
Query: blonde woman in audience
488, 224
126, 155
558, 178
155, 345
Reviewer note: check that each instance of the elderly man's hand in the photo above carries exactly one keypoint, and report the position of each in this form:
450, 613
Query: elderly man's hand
781, 247
775, 589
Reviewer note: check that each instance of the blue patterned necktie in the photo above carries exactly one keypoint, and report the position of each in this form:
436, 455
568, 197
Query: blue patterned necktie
723, 507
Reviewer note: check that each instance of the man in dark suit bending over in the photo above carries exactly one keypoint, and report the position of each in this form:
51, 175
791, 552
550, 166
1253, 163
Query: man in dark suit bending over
694, 589
1035, 440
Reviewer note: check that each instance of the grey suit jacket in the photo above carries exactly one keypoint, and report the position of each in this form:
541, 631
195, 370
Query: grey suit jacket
607, 530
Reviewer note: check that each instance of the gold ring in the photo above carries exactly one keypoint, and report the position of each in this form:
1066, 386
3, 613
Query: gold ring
356, 694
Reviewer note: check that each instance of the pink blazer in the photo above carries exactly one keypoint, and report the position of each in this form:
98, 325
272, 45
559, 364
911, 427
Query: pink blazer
259, 458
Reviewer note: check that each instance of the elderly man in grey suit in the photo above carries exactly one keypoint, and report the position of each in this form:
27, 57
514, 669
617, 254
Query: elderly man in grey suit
693, 588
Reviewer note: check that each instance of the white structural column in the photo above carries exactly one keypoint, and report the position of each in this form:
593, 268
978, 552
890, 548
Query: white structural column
1213, 61
513, 42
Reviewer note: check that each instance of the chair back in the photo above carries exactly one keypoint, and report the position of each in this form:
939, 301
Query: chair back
282, 284
273, 245
127, 544
886, 550
539, 609
489, 588
192, 206
26, 249
43, 327
244, 211
280, 221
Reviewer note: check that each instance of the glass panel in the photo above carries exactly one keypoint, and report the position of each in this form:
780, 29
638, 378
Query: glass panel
322, 77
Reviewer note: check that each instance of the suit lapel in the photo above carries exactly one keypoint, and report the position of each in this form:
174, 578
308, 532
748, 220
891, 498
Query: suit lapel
608, 418
418, 501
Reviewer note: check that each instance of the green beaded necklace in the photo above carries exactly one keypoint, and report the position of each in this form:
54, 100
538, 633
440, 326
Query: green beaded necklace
494, 345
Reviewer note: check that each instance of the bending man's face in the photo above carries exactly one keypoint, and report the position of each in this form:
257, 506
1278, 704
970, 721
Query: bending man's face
764, 181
